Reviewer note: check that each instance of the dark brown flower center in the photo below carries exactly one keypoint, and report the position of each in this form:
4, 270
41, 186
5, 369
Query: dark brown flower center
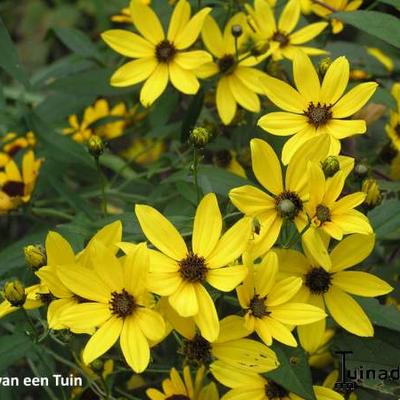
13, 188
45, 298
225, 63
14, 150
257, 307
165, 51
177, 397
197, 350
122, 304
193, 268
323, 213
223, 158
288, 204
319, 114
281, 38
318, 280
273, 391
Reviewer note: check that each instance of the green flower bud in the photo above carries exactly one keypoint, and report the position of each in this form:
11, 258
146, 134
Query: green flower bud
236, 30
199, 137
324, 65
35, 256
15, 293
371, 188
95, 146
360, 170
330, 166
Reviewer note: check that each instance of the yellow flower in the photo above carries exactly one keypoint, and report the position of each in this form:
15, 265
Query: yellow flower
59, 256
159, 58
393, 127
268, 306
332, 378
143, 150
313, 108
334, 217
332, 287
179, 273
317, 347
331, 6
11, 144
238, 82
177, 388
371, 188
118, 305
84, 130
282, 41
228, 160
17, 188
249, 385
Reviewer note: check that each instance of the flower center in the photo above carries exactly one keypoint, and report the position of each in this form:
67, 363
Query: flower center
281, 38
319, 114
288, 204
257, 307
165, 51
226, 63
273, 391
397, 130
197, 350
122, 304
177, 397
193, 268
318, 280
14, 149
45, 298
13, 188
223, 158
322, 213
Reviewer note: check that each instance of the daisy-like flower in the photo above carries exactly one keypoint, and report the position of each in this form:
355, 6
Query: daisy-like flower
332, 288
238, 82
118, 305
282, 41
11, 144
331, 6
159, 58
335, 217
179, 273
314, 109
286, 198
84, 130
268, 306
15, 187
245, 385
185, 389
393, 127
331, 380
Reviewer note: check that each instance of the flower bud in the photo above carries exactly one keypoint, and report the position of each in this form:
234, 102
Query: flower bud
35, 256
199, 137
95, 146
371, 188
360, 171
330, 166
14, 293
324, 65
236, 30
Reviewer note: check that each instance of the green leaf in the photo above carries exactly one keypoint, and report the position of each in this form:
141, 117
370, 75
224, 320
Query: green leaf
385, 220
192, 115
385, 316
76, 41
9, 58
12, 348
394, 3
293, 373
380, 25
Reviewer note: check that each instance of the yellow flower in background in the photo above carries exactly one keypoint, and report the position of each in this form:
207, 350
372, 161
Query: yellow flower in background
177, 388
228, 160
16, 187
268, 306
382, 57
332, 378
238, 82
395, 168
11, 144
315, 108
331, 288
180, 273
84, 130
393, 127
317, 348
371, 188
159, 58
124, 15
143, 150
279, 37
331, 6
118, 305
249, 385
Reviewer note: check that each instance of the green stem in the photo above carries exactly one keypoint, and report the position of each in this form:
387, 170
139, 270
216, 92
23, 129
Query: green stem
195, 173
46, 388
49, 212
31, 324
236, 49
102, 186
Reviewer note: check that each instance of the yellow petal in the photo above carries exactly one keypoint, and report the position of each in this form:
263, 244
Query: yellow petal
280, 332
134, 72
207, 317
353, 221
251, 200
307, 33
292, 262
164, 284
262, 155
266, 274
341, 129
324, 393
180, 17
128, 44
102, 340
150, 323
231, 245
212, 37
243, 95
317, 185
232, 328
226, 103
306, 77
58, 250
192, 59
289, 17
184, 300
335, 81
347, 312
284, 290
297, 313
109, 235
282, 123
155, 85
296, 141
333, 188
270, 228
146, 21
226, 279
348, 202
48, 276
184, 80
263, 331
351, 251
161, 232
134, 345
353, 100
312, 240
136, 269
250, 77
